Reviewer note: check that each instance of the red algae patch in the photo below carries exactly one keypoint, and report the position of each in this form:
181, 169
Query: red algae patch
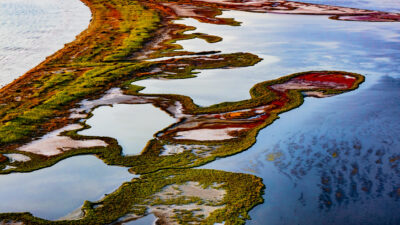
332, 78
232, 124
54, 144
317, 81
2, 158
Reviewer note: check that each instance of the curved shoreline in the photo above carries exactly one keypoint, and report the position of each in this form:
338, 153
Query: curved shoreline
44, 97
72, 59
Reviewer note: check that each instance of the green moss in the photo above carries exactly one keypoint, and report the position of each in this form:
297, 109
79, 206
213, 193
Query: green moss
243, 192
102, 57
119, 29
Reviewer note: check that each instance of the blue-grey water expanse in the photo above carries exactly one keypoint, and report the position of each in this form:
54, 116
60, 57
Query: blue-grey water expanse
331, 161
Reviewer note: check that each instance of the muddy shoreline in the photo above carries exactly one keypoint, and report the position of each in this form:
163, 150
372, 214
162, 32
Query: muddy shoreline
111, 54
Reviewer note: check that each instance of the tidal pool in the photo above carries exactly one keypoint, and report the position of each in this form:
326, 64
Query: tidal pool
331, 161
288, 44
54, 192
132, 125
31, 30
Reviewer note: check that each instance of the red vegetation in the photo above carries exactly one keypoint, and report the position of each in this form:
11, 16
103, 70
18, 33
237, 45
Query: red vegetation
2, 158
338, 79
255, 117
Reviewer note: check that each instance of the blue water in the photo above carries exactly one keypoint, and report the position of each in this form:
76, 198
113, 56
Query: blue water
54, 192
328, 162
147, 220
331, 161
288, 44
132, 125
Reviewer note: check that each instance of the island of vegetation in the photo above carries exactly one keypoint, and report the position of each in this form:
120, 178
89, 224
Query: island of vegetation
128, 41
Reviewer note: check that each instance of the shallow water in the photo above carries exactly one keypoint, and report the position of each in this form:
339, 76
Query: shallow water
31, 30
331, 161
327, 162
288, 44
147, 220
132, 125
54, 192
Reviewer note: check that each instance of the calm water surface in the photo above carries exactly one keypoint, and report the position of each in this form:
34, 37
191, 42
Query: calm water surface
147, 220
132, 125
331, 161
31, 30
54, 192
288, 44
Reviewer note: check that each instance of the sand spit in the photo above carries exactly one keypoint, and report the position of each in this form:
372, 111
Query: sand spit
53, 144
207, 134
210, 196
113, 96
116, 96
14, 157
199, 150
77, 214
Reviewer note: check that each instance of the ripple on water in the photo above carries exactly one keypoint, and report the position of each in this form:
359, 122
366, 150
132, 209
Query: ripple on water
331, 161
31, 30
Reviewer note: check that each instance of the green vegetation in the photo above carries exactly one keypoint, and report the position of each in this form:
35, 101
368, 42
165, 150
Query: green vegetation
103, 57
243, 192
96, 61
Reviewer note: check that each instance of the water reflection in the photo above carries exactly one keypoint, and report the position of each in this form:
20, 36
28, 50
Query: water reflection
132, 125
54, 192
332, 161
288, 44
147, 220
326, 161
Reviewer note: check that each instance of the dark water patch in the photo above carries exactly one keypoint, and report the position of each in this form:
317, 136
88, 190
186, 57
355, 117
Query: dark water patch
332, 161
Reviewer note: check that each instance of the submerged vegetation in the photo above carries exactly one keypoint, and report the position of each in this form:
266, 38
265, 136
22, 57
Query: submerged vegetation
129, 41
